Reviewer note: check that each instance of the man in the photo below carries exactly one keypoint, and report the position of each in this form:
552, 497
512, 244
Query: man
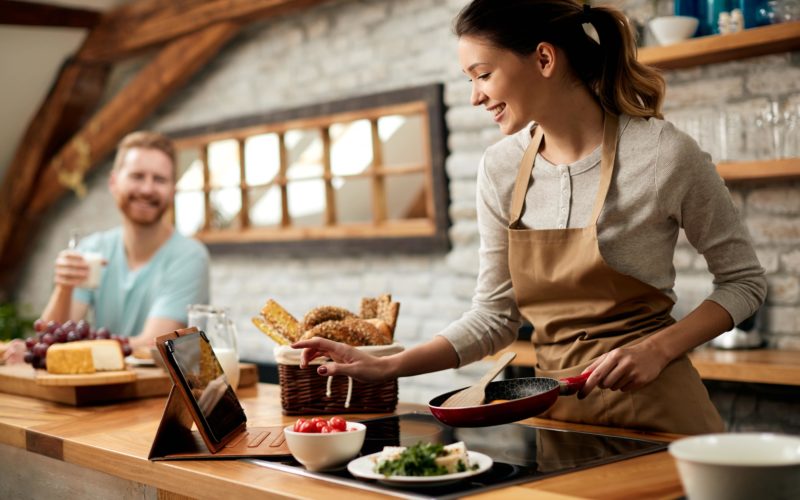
152, 272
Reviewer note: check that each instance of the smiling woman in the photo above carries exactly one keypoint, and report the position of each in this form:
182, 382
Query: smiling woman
361, 172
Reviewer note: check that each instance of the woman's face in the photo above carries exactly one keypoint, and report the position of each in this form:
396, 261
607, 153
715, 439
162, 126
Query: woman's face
502, 82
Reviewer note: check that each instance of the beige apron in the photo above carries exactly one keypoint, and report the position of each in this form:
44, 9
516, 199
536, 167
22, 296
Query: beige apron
581, 308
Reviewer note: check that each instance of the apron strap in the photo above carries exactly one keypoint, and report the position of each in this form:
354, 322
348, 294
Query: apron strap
524, 177
609, 154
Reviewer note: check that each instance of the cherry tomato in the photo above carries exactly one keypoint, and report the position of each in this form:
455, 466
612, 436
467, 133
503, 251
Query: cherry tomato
308, 427
320, 424
318, 419
338, 423
298, 424
326, 429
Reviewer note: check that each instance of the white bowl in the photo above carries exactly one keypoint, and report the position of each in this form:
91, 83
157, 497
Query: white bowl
322, 451
673, 29
739, 466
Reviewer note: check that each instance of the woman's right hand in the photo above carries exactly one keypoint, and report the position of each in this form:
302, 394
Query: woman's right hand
71, 269
346, 360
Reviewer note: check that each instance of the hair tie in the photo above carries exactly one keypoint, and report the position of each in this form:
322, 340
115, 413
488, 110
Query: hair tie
587, 25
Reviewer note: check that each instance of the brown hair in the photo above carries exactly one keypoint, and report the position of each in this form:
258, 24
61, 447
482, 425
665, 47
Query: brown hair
610, 69
147, 140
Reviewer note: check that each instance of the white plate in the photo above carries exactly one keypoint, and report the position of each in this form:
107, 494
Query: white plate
139, 361
364, 467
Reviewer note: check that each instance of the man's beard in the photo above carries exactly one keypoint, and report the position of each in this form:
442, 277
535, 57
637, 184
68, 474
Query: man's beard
132, 214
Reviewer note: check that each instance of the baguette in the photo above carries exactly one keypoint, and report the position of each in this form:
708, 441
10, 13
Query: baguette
280, 320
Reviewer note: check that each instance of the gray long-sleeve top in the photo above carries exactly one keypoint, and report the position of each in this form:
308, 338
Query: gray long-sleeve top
662, 182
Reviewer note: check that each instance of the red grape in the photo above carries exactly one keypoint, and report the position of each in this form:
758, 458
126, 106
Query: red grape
72, 337
30, 342
69, 326
40, 349
28, 357
103, 333
83, 329
60, 335
49, 338
51, 326
39, 325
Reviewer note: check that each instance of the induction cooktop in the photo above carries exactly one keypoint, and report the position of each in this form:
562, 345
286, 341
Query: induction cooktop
521, 453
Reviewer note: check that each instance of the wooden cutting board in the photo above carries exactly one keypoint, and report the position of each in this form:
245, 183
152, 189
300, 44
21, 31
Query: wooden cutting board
149, 382
99, 378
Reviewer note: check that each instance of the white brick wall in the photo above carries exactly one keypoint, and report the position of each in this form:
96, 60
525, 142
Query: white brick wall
353, 47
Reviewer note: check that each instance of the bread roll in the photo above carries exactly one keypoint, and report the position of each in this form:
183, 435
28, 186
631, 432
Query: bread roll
351, 331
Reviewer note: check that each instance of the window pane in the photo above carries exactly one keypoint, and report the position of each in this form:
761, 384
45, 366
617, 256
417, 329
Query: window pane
225, 206
351, 147
306, 202
190, 212
353, 197
265, 206
189, 170
401, 139
304, 151
223, 163
406, 196
261, 159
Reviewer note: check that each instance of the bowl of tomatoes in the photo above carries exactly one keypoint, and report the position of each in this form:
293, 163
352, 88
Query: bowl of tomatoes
319, 443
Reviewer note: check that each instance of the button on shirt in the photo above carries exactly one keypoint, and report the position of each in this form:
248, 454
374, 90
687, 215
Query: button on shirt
551, 194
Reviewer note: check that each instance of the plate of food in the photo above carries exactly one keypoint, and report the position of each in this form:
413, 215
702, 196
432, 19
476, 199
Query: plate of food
423, 464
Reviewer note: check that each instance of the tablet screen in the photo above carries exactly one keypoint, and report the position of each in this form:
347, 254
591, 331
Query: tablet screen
205, 382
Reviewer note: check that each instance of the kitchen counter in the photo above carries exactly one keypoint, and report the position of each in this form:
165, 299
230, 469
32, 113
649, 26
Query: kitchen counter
47, 448
763, 366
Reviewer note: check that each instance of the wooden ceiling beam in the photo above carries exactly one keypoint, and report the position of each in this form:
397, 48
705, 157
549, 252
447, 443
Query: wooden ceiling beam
39, 14
154, 83
75, 94
135, 26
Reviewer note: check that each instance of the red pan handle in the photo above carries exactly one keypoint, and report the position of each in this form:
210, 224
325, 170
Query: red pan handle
571, 385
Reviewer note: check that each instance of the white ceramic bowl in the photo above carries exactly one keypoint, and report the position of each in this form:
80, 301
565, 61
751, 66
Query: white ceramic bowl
323, 451
673, 29
739, 466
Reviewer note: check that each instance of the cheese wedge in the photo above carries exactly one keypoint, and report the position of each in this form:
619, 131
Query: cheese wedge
85, 356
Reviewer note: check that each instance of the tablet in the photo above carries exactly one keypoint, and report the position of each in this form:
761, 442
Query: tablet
205, 386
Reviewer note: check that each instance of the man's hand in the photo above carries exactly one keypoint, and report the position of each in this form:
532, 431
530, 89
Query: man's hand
625, 369
347, 360
71, 269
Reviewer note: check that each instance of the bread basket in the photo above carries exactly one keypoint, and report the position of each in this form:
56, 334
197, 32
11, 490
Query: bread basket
305, 392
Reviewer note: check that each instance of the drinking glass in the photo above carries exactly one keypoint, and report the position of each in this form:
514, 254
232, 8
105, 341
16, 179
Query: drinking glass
221, 333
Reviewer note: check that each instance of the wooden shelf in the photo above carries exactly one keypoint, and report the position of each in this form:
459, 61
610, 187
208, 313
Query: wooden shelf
760, 170
771, 39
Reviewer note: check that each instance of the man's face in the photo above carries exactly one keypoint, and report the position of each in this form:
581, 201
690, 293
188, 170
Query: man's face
143, 186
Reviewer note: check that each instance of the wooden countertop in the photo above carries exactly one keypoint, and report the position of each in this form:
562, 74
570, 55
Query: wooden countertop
764, 366
115, 439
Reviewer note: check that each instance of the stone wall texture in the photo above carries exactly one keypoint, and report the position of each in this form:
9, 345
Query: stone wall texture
349, 48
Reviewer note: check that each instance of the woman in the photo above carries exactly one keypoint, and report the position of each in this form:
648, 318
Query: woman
582, 244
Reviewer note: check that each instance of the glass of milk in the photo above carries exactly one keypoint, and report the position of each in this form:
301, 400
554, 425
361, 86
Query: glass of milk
94, 260
221, 333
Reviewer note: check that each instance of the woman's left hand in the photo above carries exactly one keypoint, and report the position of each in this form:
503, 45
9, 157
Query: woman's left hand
624, 369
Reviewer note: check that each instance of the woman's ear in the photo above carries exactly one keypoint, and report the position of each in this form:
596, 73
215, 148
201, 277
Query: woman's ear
546, 59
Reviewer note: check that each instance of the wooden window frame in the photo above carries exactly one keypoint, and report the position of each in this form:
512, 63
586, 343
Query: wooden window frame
413, 235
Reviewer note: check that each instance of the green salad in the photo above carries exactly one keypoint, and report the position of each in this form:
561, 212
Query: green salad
420, 460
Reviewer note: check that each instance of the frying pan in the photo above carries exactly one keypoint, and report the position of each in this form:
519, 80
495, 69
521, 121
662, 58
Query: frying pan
522, 398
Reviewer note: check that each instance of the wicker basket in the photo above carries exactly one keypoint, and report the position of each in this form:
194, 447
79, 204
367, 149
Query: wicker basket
305, 392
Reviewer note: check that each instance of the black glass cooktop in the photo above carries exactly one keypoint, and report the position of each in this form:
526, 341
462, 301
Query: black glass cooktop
521, 453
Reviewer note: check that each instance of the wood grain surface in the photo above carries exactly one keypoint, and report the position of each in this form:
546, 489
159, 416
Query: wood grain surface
84, 379
115, 439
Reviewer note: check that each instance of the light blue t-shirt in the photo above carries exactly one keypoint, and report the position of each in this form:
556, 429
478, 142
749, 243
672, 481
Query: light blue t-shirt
176, 276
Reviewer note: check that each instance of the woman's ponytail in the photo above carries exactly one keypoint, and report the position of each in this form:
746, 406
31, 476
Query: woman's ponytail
624, 85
